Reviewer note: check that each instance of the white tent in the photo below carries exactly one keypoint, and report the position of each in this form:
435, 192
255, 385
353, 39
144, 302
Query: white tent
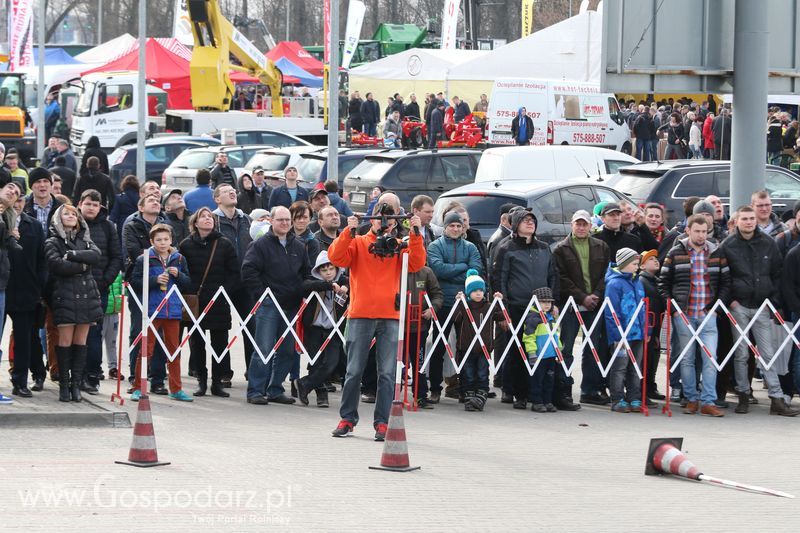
569, 50
418, 70
103, 53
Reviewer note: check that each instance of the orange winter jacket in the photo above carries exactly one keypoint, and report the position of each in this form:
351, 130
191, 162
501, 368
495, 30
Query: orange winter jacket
374, 281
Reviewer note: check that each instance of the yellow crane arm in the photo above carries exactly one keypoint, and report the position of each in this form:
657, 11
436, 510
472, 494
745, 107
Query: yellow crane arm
215, 39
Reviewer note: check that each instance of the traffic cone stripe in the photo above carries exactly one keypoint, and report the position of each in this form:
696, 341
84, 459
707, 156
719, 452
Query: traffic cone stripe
394, 461
144, 430
143, 456
671, 460
395, 447
143, 447
143, 442
397, 434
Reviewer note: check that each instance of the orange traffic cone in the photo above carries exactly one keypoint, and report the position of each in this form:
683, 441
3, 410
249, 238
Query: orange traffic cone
143, 448
395, 451
665, 457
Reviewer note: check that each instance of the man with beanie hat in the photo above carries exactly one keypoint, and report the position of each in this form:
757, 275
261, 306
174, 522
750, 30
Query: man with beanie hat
522, 264
582, 261
716, 233
41, 204
678, 230
450, 257
789, 238
612, 233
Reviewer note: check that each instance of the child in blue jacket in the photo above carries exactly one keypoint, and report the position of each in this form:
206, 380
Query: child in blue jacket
624, 290
167, 268
535, 339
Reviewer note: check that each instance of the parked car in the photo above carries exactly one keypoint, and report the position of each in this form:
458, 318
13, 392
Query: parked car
313, 166
180, 174
408, 174
275, 160
553, 203
274, 138
159, 153
549, 162
671, 182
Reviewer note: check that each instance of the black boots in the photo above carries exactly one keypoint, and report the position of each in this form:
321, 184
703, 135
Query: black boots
76, 370
64, 357
202, 385
744, 403
780, 407
218, 389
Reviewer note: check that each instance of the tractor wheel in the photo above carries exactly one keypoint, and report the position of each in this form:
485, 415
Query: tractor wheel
415, 139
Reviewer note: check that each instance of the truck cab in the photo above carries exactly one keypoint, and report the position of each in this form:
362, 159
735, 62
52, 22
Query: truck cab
15, 127
107, 107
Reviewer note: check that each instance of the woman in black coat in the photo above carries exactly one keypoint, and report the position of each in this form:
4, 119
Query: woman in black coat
223, 272
248, 197
72, 294
93, 149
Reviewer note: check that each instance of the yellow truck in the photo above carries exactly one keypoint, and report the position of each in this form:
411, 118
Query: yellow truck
15, 123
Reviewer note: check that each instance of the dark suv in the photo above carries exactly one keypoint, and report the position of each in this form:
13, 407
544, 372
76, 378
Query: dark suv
408, 174
670, 182
553, 203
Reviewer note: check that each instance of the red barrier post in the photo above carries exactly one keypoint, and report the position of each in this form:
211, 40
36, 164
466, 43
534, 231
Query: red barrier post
667, 409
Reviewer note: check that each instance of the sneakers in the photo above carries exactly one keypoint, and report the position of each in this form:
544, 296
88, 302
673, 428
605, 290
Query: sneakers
113, 373
521, 404
343, 429
711, 410
538, 408
368, 397
621, 407
595, 398
691, 408
380, 432
654, 394
636, 406
180, 396
550, 408
506, 398
6, 400
136, 395
675, 395
424, 403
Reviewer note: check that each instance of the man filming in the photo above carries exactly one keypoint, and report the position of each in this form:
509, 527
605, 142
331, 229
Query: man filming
375, 263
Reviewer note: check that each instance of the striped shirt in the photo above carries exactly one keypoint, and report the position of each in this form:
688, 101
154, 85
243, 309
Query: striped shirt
699, 293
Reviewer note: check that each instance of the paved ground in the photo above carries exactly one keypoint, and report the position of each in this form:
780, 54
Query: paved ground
239, 467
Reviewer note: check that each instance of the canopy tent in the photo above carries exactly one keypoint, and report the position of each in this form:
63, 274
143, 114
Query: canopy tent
168, 70
103, 53
569, 50
303, 77
54, 56
294, 52
238, 76
418, 70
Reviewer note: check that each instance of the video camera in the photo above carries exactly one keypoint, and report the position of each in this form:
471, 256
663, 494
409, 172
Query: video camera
386, 244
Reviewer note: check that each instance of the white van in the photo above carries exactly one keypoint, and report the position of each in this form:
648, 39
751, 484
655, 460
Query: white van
563, 112
549, 162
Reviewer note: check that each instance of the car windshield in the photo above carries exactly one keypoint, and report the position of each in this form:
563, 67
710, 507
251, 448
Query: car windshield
484, 210
371, 169
11, 91
310, 168
118, 156
637, 186
84, 105
269, 161
189, 159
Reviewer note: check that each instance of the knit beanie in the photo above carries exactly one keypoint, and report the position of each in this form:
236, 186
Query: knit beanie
473, 282
704, 207
452, 217
39, 173
625, 256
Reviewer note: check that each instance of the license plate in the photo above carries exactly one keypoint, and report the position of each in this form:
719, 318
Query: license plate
358, 198
184, 181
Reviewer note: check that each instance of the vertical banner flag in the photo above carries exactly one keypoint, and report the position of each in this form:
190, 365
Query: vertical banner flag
20, 34
450, 24
355, 18
326, 31
181, 25
527, 17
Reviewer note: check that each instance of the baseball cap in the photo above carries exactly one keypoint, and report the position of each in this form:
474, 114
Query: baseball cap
647, 255
582, 214
611, 207
258, 168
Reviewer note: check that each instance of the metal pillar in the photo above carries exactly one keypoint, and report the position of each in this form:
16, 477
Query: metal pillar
333, 95
141, 94
42, 90
750, 73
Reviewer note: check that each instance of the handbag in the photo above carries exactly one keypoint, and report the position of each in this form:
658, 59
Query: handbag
193, 300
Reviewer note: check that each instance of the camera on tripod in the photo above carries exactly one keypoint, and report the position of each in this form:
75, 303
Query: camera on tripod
387, 244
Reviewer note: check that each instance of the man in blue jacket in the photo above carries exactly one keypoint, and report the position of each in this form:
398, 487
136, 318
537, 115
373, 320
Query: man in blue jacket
450, 257
288, 193
277, 261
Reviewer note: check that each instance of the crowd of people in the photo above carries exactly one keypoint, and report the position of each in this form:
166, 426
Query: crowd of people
62, 287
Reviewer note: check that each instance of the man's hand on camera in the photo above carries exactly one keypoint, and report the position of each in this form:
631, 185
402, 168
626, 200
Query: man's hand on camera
352, 222
415, 222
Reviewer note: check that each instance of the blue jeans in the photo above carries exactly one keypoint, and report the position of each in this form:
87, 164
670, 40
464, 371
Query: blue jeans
267, 379
475, 372
642, 150
370, 128
360, 332
653, 145
542, 381
708, 335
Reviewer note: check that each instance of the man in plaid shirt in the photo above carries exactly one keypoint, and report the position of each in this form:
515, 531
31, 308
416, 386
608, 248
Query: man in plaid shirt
695, 275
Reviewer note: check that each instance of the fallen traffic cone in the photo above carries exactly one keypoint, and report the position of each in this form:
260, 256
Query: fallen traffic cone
395, 451
143, 448
665, 457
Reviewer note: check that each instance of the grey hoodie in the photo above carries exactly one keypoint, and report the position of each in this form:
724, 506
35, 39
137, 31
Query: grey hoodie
321, 319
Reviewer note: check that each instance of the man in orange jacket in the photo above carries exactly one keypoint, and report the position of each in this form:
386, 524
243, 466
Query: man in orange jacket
373, 312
